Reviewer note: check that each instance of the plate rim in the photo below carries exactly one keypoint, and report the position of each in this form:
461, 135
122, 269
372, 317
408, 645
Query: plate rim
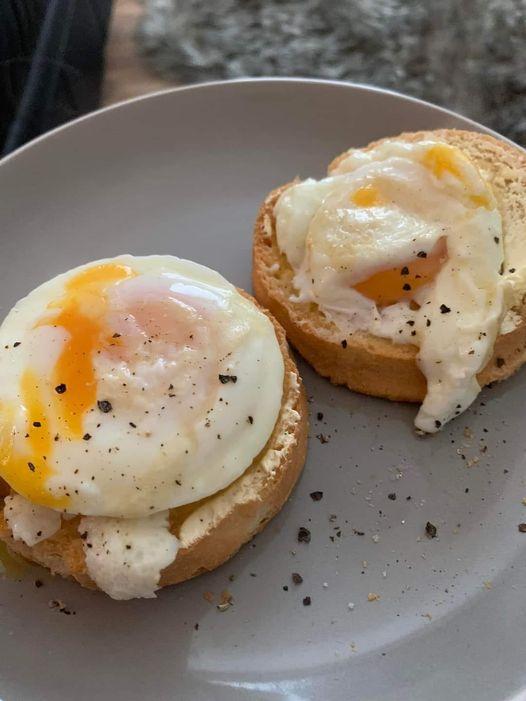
242, 82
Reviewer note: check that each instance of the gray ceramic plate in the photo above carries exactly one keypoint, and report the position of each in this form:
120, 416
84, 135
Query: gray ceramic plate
183, 172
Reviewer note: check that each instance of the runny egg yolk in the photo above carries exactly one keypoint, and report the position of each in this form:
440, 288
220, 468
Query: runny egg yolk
27, 474
366, 196
397, 284
440, 159
80, 312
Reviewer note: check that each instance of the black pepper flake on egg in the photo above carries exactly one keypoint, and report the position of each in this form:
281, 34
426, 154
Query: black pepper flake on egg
438, 423
392, 496
307, 601
405, 270
250, 420
116, 335
444, 309
297, 578
104, 405
16, 344
431, 530
428, 322
316, 496
421, 254
37, 424
499, 362
511, 270
406, 287
344, 343
132, 424
86, 437
224, 379
496, 239
31, 466
410, 322
61, 388
303, 535
319, 416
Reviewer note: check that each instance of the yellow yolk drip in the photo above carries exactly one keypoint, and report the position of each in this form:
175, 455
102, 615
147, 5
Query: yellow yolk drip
440, 159
366, 196
27, 473
81, 314
397, 284
480, 201
6, 439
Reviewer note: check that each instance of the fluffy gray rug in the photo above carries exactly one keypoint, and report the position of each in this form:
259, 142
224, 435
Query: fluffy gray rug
469, 55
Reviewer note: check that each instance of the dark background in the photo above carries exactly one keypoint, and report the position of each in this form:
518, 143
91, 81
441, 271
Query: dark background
468, 55
51, 64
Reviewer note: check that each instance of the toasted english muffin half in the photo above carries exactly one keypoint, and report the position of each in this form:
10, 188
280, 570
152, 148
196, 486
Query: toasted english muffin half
371, 364
212, 530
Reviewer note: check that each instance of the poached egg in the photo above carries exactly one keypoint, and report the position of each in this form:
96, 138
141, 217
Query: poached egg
404, 241
131, 386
